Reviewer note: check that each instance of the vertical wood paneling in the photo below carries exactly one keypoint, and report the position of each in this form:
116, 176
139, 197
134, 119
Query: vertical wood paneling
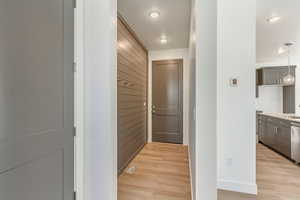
132, 95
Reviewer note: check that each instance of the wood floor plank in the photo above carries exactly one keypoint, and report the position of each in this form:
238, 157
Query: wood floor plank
162, 173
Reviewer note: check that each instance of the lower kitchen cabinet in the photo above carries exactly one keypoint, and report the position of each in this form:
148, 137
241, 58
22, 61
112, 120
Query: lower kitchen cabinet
271, 132
263, 130
283, 140
276, 133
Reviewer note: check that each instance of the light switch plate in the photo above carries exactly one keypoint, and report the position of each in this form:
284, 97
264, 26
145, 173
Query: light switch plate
234, 82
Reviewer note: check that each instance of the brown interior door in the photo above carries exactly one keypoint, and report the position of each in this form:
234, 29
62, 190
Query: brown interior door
167, 101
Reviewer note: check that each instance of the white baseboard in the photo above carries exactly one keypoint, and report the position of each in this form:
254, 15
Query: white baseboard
191, 177
235, 186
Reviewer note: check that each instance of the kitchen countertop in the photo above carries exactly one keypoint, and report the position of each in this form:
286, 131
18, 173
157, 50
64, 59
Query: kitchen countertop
284, 116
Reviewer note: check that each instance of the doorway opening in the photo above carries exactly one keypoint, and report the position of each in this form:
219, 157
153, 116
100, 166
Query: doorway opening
277, 100
152, 101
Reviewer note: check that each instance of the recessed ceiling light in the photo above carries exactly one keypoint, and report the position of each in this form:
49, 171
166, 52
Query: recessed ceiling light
273, 20
163, 40
154, 14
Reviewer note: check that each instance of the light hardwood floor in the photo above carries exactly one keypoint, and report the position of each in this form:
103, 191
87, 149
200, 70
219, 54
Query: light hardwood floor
277, 178
162, 173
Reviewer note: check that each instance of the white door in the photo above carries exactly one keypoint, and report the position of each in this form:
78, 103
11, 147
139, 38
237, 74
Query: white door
36, 100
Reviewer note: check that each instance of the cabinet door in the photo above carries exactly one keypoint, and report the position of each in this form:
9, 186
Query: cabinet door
270, 76
263, 131
283, 140
259, 125
267, 132
271, 128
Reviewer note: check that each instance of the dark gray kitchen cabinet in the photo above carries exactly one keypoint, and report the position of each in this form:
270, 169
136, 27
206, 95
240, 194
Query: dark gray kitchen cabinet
271, 132
267, 76
267, 131
283, 139
263, 133
276, 133
258, 123
289, 97
262, 129
273, 75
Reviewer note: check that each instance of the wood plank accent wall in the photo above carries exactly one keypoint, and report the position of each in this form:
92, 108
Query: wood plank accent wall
132, 95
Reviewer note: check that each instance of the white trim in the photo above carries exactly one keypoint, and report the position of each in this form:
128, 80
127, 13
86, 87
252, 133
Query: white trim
149, 99
96, 141
205, 107
191, 175
79, 99
235, 186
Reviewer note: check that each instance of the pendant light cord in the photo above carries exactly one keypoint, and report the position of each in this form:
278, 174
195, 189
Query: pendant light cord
289, 59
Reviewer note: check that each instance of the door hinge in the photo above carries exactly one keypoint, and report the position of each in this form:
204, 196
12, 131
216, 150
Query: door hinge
74, 67
75, 3
75, 195
74, 131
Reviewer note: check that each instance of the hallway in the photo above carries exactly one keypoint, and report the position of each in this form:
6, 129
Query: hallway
162, 173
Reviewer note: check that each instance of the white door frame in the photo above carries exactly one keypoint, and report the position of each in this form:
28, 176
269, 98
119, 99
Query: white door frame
95, 99
78, 102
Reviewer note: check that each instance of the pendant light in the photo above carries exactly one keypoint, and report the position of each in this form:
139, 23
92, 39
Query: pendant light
289, 79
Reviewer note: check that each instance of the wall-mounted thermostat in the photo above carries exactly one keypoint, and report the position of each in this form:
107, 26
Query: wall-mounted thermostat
234, 82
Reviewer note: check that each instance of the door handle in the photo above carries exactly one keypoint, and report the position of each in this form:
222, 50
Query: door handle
153, 109
276, 130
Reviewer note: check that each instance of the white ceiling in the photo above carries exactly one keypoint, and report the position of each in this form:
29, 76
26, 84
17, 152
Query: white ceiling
270, 37
173, 22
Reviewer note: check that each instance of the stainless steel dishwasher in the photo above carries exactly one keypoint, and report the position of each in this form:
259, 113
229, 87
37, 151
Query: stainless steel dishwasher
295, 142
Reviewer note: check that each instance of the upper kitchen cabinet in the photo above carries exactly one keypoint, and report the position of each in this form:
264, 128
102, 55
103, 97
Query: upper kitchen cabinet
273, 75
